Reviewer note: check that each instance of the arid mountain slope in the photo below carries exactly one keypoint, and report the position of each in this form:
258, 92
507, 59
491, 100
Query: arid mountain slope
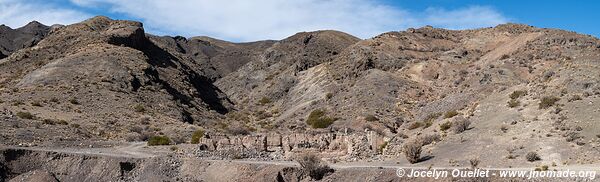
26, 36
111, 81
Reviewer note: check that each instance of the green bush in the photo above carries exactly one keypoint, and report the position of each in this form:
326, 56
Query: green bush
371, 118
264, 101
450, 114
512, 103
547, 102
517, 93
196, 136
25, 115
317, 119
445, 126
159, 140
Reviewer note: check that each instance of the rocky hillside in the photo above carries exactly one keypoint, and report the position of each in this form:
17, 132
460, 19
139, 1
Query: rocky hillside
108, 80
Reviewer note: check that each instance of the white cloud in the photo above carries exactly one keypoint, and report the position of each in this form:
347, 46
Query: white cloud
466, 18
16, 13
244, 20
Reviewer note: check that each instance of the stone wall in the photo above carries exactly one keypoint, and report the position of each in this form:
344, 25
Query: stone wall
357, 145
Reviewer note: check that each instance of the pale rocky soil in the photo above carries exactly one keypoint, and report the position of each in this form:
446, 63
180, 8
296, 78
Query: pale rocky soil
106, 86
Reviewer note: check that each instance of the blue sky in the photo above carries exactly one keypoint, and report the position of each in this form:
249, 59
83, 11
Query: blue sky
244, 20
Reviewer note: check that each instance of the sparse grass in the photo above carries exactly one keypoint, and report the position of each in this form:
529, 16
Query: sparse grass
450, 114
412, 151
445, 126
532, 156
548, 102
159, 140
512, 103
25, 115
197, 135
139, 108
317, 119
517, 94
264, 101
371, 117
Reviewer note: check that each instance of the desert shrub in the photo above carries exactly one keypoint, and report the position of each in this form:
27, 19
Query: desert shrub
54, 99
381, 147
264, 101
159, 140
62, 122
504, 128
445, 126
174, 148
412, 151
517, 93
17, 103
75, 125
431, 117
25, 115
139, 108
572, 136
427, 139
36, 104
238, 130
574, 98
460, 125
474, 162
317, 119
313, 166
532, 156
74, 101
504, 56
329, 95
197, 135
428, 123
371, 117
512, 103
450, 114
547, 102
414, 125
48, 122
